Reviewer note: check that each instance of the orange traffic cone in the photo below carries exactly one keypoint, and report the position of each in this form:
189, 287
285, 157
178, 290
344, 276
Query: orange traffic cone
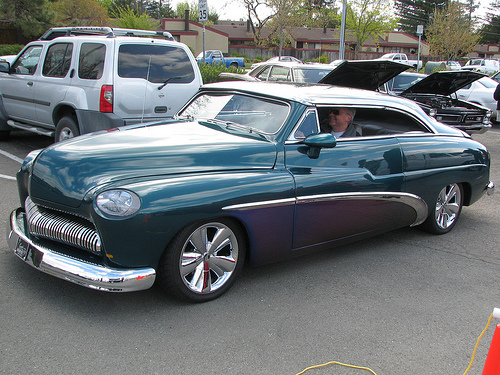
492, 365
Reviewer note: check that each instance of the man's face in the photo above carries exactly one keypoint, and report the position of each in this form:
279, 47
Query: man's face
339, 119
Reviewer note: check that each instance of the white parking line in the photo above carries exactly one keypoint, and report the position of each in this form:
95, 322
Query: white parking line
10, 156
7, 177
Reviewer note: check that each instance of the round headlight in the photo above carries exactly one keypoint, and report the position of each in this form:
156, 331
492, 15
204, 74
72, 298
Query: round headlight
120, 203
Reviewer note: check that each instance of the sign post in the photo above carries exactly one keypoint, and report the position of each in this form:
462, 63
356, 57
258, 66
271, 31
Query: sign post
203, 17
420, 31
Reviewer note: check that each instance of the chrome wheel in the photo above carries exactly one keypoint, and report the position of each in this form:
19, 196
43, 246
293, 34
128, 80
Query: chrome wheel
66, 133
208, 258
203, 260
448, 206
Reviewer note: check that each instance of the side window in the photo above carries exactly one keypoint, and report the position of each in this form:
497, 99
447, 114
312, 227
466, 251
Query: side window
280, 73
263, 75
385, 121
155, 63
28, 61
308, 126
58, 60
91, 60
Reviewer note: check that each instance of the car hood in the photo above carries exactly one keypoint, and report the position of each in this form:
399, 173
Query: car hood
364, 74
65, 172
443, 83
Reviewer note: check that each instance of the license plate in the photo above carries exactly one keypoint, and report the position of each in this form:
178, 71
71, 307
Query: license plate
22, 249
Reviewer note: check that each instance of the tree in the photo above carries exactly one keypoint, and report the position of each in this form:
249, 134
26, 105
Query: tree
213, 17
257, 20
412, 13
128, 19
490, 31
80, 13
368, 18
451, 33
31, 18
159, 9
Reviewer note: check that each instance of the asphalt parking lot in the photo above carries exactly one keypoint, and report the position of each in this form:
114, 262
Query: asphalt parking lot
405, 302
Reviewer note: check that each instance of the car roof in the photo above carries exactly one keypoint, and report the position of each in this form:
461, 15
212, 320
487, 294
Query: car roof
315, 94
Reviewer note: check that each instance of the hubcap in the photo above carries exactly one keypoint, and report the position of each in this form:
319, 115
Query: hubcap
208, 258
448, 206
66, 133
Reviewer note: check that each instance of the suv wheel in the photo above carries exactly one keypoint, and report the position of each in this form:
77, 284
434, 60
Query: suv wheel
66, 128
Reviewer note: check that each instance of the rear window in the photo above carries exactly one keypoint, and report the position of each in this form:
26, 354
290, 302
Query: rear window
155, 63
58, 60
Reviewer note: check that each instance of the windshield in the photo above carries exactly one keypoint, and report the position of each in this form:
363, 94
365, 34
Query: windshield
262, 115
303, 75
488, 82
401, 82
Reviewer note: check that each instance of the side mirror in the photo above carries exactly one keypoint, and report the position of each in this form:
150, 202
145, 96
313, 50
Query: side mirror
4, 67
318, 141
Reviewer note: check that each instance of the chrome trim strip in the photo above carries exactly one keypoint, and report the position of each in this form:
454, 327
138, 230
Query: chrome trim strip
412, 200
264, 204
77, 271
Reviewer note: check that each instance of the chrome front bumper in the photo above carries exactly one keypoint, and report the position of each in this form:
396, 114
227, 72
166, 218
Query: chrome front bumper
490, 188
90, 275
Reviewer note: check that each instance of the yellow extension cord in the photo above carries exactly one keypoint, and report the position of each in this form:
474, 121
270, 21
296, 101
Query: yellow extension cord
373, 372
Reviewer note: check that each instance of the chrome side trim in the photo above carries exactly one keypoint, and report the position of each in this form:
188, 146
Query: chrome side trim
412, 200
264, 204
90, 275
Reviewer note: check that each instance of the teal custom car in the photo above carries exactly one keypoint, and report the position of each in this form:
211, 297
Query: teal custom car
242, 173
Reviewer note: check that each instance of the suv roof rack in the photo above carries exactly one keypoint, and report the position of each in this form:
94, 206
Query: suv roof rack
56, 32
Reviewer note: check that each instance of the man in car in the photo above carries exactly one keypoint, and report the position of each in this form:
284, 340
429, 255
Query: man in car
339, 123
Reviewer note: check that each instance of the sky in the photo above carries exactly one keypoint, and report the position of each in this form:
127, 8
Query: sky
234, 10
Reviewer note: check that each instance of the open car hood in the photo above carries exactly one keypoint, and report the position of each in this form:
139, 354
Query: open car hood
363, 74
443, 83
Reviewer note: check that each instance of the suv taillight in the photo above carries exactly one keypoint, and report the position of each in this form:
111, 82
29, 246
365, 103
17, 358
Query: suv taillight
106, 99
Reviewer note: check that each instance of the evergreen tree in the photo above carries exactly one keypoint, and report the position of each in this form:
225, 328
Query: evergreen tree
412, 13
490, 32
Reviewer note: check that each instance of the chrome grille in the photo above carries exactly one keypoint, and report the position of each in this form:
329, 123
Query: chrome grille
62, 227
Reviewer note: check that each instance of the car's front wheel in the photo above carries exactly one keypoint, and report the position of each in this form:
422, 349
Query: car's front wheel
203, 260
66, 128
447, 208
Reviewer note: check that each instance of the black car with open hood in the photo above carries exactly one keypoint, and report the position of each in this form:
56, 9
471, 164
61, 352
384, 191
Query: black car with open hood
435, 92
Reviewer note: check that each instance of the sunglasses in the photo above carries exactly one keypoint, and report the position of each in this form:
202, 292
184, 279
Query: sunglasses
334, 111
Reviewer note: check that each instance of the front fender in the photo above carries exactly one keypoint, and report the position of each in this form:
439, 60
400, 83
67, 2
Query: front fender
263, 201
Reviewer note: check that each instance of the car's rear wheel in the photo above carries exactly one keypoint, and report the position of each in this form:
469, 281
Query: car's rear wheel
447, 208
66, 128
203, 260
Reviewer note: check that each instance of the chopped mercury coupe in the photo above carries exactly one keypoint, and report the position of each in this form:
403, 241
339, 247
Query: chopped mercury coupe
242, 173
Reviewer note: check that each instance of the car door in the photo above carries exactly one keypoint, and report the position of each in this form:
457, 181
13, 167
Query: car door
54, 81
17, 87
348, 191
153, 81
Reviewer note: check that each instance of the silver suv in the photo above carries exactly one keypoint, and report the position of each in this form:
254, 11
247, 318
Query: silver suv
76, 80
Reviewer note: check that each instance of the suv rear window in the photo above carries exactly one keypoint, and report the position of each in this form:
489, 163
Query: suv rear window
155, 63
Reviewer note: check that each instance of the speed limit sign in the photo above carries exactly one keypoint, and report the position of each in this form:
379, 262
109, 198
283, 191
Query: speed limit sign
202, 11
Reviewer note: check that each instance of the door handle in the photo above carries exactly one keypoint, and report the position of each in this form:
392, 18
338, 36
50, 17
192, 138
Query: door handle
30, 83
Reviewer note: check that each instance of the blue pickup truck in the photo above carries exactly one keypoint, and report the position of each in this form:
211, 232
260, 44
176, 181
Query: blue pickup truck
214, 57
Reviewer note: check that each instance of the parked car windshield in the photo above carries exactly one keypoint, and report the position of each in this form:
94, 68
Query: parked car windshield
401, 82
260, 114
488, 82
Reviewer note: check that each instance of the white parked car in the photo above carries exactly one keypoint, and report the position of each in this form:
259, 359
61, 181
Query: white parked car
481, 92
488, 66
